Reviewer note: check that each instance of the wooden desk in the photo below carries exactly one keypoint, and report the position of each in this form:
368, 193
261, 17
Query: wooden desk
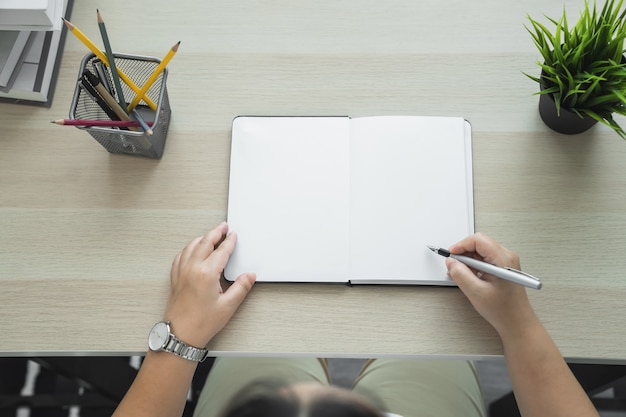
87, 238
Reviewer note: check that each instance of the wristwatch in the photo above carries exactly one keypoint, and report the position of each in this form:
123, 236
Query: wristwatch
162, 339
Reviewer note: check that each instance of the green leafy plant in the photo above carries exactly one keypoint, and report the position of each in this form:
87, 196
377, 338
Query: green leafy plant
583, 67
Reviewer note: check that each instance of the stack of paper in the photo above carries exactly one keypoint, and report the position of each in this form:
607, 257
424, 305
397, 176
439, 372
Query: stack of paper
12, 48
31, 39
31, 14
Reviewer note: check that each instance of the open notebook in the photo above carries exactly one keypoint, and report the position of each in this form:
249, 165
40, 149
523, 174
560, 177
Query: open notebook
348, 200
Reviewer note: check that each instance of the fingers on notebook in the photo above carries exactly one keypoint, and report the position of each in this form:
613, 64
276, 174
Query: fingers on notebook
482, 246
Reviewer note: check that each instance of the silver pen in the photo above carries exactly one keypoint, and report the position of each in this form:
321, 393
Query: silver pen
509, 274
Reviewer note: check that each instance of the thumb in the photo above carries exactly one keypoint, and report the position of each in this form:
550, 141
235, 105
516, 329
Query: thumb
238, 292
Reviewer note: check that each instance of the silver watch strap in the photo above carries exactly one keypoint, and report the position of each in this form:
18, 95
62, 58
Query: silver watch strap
182, 349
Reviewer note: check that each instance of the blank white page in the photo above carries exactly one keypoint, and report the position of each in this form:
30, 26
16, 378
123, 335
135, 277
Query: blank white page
289, 198
410, 187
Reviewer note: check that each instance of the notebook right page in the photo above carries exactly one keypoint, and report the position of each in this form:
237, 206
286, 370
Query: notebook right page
411, 186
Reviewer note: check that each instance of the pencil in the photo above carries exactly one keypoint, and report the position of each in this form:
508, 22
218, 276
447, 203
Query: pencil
155, 74
103, 123
93, 48
99, 101
144, 125
106, 96
120, 113
111, 58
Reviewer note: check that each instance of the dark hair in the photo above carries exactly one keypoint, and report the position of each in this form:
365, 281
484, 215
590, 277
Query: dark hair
261, 398
333, 406
274, 398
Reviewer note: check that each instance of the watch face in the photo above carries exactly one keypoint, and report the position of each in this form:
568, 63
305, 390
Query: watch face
158, 336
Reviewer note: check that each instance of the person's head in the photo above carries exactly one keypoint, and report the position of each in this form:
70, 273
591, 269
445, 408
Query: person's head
276, 399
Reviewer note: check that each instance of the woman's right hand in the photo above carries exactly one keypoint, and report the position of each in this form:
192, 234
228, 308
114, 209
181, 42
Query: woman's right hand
502, 303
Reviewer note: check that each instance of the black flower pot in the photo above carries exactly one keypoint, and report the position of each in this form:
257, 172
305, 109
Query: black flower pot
567, 121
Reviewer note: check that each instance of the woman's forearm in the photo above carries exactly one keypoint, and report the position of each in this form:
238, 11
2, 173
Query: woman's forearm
160, 388
542, 382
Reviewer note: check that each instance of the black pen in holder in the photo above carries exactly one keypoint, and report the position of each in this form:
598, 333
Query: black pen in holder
87, 106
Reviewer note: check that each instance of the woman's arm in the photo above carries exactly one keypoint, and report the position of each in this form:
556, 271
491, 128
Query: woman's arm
160, 388
542, 382
197, 310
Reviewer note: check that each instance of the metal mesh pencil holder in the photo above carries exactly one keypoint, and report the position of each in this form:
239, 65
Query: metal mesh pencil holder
124, 140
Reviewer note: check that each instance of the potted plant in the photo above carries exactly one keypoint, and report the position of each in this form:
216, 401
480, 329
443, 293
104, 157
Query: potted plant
583, 73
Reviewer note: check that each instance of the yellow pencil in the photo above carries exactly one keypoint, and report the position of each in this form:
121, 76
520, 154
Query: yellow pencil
155, 74
93, 48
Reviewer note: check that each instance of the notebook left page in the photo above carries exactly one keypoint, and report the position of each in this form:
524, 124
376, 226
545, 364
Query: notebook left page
289, 198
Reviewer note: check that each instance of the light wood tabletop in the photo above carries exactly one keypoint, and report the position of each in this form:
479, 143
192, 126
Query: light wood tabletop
87, 237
